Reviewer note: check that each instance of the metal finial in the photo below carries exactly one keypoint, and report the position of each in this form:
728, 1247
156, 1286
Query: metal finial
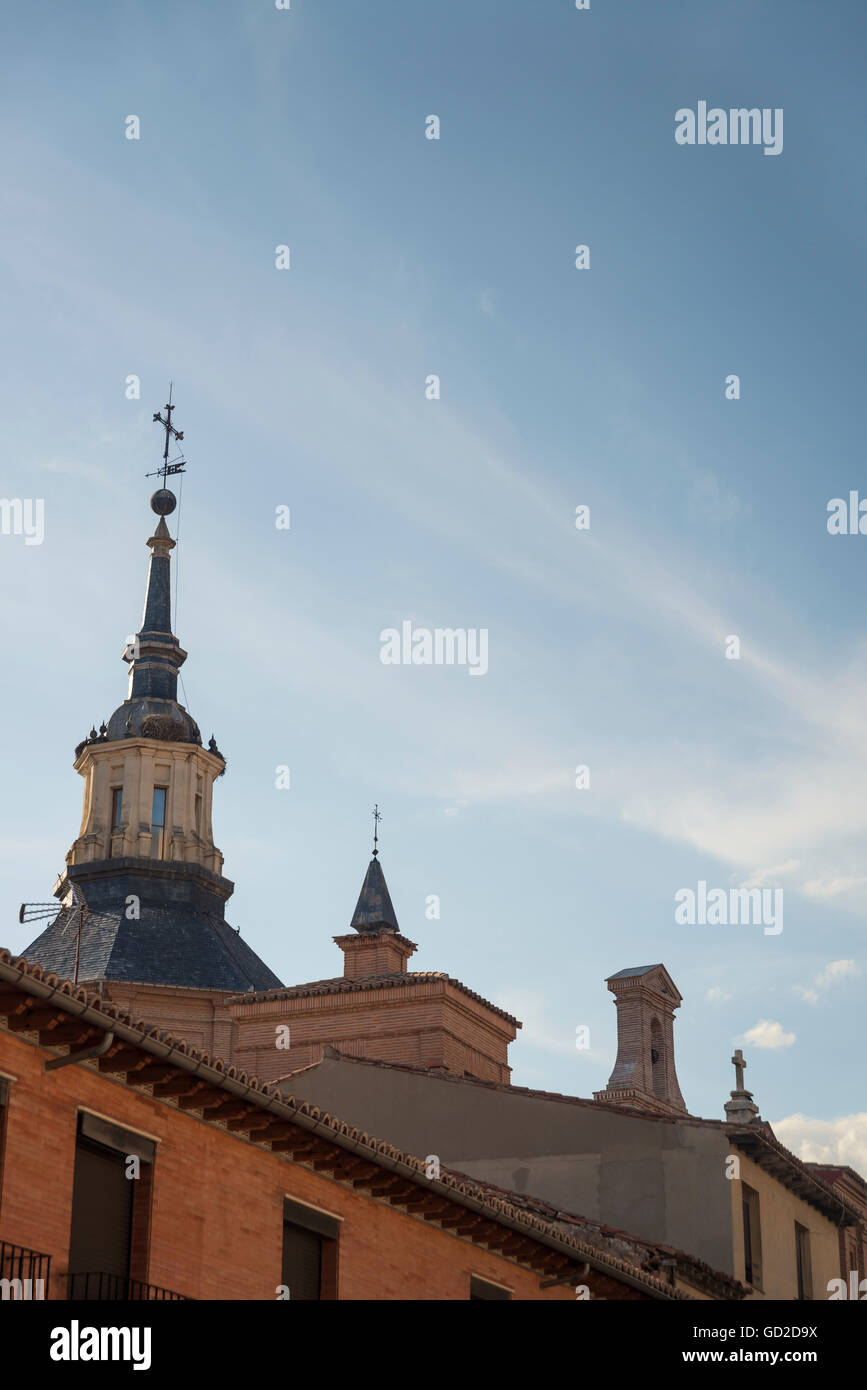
165, 500
377, 817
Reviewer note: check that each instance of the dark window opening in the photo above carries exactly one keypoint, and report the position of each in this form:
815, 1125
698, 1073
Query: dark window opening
752, 1237
309, 1253
803, 1262
657, 1064
101, 1233
109, 1234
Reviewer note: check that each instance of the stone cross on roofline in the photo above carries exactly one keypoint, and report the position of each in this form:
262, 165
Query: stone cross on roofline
741, 1109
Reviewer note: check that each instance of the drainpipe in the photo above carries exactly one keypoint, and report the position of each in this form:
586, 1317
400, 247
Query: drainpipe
98, 1050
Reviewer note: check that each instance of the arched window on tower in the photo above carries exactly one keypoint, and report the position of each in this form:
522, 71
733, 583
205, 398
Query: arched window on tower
657, 1059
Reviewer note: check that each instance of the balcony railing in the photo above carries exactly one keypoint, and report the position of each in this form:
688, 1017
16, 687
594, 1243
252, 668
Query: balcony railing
99, 1287
24, 1274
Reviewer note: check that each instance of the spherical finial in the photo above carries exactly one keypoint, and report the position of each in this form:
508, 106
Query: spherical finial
163, 502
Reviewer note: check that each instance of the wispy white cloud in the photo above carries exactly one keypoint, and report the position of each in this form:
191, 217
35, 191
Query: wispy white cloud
821, 888
772, 874
842, 1141
717, 995
767, 1033
837, 970
833, 973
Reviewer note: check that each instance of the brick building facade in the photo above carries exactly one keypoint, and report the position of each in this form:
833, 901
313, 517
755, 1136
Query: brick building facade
240, 1192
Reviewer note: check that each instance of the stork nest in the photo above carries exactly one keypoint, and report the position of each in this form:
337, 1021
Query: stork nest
164, 727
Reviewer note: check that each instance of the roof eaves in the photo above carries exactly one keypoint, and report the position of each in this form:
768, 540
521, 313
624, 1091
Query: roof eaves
758, 1141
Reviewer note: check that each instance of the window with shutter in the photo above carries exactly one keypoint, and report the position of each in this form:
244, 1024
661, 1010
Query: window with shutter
309, 1252
102, 1196
302, 1263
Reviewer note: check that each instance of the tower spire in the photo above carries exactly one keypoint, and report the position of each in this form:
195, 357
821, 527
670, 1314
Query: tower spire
156, 655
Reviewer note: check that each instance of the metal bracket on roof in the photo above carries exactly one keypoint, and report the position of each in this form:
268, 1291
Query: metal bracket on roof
98, 1050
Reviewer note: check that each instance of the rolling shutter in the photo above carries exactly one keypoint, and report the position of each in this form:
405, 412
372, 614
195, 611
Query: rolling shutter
302, 1263
102, 1196
309, 1237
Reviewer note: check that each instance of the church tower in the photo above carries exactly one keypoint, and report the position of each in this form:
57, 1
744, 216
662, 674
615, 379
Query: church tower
142, 896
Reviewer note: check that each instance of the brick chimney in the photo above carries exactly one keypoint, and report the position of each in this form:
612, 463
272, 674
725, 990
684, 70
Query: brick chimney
383, 952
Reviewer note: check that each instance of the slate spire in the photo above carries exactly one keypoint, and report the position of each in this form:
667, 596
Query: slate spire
156, 656
374, 911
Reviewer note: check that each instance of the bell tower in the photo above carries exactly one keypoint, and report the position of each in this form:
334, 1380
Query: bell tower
142, 895
644, 1075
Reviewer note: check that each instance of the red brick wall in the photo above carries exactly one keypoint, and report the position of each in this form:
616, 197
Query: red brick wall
200, 1017
376, 953
429, 1024
216, 1222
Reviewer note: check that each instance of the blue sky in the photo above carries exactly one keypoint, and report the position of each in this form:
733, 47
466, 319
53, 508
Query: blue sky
559, 387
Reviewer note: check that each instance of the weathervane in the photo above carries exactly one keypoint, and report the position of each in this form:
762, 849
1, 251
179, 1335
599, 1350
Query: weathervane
171, 433
376, 819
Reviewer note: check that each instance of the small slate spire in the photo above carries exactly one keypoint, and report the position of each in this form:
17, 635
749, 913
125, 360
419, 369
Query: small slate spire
373, 911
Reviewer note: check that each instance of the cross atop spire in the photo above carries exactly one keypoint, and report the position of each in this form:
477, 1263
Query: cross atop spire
171, 433
739, 1064
377, 817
